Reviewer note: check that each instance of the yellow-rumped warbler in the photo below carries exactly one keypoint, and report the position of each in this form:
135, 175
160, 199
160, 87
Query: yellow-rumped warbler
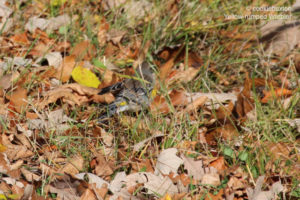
131, 94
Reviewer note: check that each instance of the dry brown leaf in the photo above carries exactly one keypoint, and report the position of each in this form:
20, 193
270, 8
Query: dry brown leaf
84, 50
6, 81
62, 46
116, 36
257, 193
102, 167
108, 78
224, 112
13, 151
194, 168
277, 93
20, 39
81, 90
144, 165
227, 132
65, 193
183, 75
102, 32
245, 102
211, 177
4, 164
40, 49
18, 99
160, 105
73, 166
110, 50
65, 93
104, 98
168, 162
29, 176
74, 94
219, 164
154, 184
165, 55
100, 192
196, 104
88, 194
165, 69
64, 71
279, 150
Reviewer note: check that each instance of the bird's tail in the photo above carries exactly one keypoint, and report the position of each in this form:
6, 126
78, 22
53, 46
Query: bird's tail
111, 109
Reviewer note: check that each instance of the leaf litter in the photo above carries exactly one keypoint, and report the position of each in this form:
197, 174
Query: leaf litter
193, 142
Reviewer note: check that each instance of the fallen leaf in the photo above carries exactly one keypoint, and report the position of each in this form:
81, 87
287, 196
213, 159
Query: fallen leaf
167, 162
115, 36
154, 184
135, 11
160, 104
56, 22
92, 179
84, 50
194, 168
85, 77
73, 166
196, 104
143, 165
165, 69
211, 177
227, 132
18, 99
102, 168
15, 152
264, 195
36, 22
29, 176
104, 98
88, 194
74, 94
63, 72
277, 93
50, 24
54, 59
7, 80
102, 32
65, 93
224, 112
278, 151
54, 120
65, 193
213, 98
21, 39
219, 164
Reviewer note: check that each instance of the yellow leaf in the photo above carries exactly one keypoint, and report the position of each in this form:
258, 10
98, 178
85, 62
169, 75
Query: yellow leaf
14, 196
57, 2
3, 197
167, 197
2, 148
85, 77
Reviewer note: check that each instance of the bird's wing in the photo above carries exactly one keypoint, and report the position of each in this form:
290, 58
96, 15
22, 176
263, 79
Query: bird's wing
113, 88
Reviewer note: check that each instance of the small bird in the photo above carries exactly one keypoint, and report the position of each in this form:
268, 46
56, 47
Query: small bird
132, 94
